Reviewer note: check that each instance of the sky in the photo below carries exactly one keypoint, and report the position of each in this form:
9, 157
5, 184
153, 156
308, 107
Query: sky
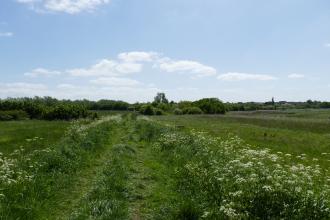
234, 50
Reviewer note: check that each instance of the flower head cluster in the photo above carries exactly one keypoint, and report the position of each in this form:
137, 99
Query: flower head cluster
230, 179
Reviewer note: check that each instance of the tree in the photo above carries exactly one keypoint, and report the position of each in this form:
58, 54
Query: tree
160, 98
147, 110
211, 106
273, 103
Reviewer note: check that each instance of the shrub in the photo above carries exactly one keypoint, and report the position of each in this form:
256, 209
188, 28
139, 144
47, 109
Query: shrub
211, 106
147, 110
13, 115
65, 112
184, 104
178, 111
158, 111
192, 111
44, 108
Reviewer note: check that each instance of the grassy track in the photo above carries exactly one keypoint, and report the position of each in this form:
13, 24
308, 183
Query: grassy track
134, 183
151, 183
67, 199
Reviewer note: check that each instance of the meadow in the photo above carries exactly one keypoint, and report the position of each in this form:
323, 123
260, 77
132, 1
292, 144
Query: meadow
292, 131
32, 134
242, 165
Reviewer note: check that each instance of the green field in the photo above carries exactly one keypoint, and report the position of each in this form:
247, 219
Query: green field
293, 131
125, 166
31, 134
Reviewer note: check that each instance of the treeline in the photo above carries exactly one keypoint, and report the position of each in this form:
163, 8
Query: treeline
46, 108
49, 108
281, 105
162, 106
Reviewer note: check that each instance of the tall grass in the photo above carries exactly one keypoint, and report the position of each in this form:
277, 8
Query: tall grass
29, 181
265, 132
203, 177
228, 179
14, 134
108, 199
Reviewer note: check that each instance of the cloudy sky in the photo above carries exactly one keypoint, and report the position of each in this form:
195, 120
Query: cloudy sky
235, 50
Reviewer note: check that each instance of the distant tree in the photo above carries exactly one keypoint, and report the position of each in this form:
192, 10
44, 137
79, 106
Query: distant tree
158, 111
273, 103
309, 103
192, 111
178, 111
211, 106
325, 105
160, 98
147, 110
184, 104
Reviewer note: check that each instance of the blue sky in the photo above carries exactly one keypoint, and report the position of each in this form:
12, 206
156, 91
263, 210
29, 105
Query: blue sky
235, 50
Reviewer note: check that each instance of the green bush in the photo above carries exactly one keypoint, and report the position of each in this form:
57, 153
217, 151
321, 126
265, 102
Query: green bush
65, 112
158, 111
178, 111
192, 111
211, 106
147, 110
43, 108
13, 115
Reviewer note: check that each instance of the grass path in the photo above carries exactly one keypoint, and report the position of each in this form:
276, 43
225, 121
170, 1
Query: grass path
67, 199
128, 175
151, 182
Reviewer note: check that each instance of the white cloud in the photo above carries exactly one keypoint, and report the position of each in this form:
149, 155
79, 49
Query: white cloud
66, 6
108, 78
103, 68
107, 67
21, 89
138, 56
296, 76
114, 81
42, 72
67, 86
200, 70
132, 62
129, 67
327, 45
70, 91
126, 93
6, 34
233, 76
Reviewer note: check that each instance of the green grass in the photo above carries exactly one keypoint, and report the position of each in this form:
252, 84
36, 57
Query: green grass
291, 113
14, 134
123, 167
308, 135
102, 113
